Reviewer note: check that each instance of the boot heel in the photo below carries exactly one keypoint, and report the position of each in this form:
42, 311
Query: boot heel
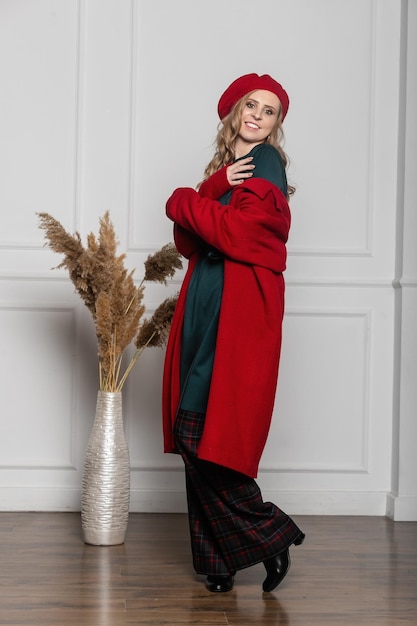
276, 569
299, 539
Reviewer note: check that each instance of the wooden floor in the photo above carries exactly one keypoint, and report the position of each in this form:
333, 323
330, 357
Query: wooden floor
350, 570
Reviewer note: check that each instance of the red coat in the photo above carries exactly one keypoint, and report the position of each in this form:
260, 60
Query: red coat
251, 233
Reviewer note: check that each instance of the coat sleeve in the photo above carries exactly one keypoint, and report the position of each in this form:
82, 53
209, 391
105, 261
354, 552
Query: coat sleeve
252, 229
186, 242
215, 186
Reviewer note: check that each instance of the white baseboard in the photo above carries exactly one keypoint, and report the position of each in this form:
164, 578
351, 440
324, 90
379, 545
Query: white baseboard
293, 503
329, 502
155, 501
398, 508
402, 508
39, 499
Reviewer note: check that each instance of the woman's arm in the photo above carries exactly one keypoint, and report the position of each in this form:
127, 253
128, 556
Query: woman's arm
226, 178
215, 186
186, 242
253, 226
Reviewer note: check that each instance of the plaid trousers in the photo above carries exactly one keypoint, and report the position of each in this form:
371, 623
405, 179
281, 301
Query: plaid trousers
231, 527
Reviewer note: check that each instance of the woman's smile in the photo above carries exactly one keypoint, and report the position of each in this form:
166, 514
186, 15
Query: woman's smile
252, 125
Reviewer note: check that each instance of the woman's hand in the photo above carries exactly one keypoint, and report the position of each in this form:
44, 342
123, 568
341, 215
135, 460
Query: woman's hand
239, 171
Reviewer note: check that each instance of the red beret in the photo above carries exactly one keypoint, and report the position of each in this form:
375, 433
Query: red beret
247, 83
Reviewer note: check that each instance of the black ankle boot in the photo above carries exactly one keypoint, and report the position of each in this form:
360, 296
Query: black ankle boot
300, 539
276, 569
219, 583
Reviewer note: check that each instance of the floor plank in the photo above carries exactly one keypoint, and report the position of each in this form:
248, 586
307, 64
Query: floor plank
350, 570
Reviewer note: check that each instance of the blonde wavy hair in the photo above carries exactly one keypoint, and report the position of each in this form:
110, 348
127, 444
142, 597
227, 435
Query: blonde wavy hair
227, 133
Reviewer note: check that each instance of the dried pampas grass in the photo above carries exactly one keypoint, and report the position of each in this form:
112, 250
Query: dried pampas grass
109, 292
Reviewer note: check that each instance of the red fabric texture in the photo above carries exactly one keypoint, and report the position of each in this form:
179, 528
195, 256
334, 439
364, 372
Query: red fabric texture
251, 232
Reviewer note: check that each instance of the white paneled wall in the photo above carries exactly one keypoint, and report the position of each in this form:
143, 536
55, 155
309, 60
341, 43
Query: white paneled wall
111, 104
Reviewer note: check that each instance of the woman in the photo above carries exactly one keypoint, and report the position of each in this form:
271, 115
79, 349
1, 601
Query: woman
223, 352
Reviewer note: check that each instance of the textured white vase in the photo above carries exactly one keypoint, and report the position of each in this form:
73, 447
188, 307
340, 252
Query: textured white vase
106, 481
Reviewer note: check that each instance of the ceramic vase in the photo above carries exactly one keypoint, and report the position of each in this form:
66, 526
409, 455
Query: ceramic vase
106, 481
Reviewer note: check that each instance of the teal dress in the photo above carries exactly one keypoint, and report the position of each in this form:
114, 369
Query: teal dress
204, 296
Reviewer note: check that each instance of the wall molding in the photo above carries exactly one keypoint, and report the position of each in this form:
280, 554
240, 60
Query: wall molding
174, 501
402, 508
77, 15
342, 282
71, 463
40, 499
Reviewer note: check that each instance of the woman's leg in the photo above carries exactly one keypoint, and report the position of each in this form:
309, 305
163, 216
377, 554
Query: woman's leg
207, 557
231, 526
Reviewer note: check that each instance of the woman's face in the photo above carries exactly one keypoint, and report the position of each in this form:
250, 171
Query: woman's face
259, 117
